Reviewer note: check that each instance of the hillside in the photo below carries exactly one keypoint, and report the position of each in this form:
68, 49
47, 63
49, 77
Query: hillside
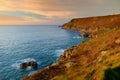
92, 22
95, 59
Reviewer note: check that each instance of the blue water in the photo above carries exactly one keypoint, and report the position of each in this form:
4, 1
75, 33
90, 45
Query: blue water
43, 44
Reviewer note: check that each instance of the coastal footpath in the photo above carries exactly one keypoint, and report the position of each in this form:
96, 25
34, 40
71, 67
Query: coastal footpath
98, 58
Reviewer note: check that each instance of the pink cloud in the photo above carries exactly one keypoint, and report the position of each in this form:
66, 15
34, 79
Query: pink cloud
62, 9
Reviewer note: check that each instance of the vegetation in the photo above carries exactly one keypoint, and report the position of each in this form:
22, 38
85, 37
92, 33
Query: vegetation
95, 59
112, 74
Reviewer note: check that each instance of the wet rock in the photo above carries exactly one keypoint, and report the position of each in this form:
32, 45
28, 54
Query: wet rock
23, 65
31, 64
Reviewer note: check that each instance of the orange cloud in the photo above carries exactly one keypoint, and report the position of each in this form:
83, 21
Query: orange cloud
55, 10
6, 19
49, 7
13, 20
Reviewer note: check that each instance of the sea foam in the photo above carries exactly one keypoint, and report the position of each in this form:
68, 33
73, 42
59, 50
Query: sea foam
76, 37
59, 52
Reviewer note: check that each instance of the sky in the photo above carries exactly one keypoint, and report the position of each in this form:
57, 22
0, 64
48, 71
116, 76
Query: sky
53, 12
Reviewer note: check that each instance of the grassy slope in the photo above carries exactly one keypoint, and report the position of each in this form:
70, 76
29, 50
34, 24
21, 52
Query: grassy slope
93, 22
92, 57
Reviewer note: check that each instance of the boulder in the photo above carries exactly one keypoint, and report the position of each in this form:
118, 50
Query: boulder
84, 34
55, 64
70, 64
67, 53
102, 56
117, 41
31, 64
23, 65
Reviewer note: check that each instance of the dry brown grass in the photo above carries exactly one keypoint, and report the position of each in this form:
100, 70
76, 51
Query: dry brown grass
92, 57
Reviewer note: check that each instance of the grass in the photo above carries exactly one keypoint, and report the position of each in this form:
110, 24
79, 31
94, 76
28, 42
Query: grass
88, 53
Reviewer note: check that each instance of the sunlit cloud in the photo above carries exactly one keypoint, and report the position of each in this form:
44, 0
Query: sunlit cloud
23, 14
56, 11
15, 20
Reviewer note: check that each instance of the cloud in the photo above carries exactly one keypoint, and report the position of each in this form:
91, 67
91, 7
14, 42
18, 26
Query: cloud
15, 20
23, 14
6, 19
54, 10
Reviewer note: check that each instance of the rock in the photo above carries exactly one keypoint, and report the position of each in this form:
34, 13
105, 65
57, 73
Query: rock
67, 53
117, 41
23, 65
31, 64
103, 52
84, 34
103, 56
55, 64
47, 68
92, 35
70, 64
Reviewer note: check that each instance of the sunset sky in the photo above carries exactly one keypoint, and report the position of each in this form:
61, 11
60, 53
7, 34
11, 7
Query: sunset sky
39, 12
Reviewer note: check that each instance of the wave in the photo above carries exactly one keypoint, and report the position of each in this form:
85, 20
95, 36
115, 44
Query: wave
27, 59
32, 72
59, 52
76, 37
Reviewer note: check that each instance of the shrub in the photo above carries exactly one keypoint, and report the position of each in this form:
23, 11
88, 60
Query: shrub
112, 74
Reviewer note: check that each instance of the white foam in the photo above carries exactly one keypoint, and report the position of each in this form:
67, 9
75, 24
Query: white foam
59, 52
29, 68
28, 59
32, 73
76, 37
15, 65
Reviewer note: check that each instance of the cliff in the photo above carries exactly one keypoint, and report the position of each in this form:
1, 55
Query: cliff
92, 22
95, 59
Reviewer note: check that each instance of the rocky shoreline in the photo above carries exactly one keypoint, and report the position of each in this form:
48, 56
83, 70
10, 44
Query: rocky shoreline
88, 60
55, 68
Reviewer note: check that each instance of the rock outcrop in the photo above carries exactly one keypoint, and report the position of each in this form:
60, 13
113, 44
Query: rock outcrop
67, 54
23, 65
31, 64
117, 41
70, 65
84, 34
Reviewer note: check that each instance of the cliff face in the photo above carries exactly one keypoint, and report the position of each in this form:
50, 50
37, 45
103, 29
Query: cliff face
92, 22
95, 59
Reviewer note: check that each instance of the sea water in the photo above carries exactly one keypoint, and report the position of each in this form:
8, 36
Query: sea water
43, 44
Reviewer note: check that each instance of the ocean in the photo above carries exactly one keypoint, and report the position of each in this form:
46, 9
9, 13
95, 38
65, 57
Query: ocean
43, 44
